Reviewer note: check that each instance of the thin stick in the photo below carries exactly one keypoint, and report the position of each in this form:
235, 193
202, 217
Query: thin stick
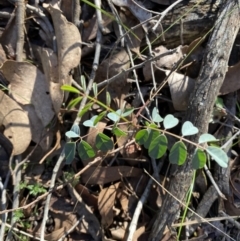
16, 191
164, 13
142, 200
71, 229
20, 30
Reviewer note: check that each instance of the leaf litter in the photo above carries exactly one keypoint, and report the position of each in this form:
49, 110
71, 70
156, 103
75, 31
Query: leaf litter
96, 197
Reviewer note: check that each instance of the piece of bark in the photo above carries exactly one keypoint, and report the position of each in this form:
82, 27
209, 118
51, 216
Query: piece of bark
212, 73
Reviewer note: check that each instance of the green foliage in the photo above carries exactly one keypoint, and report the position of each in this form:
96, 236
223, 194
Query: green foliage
70, 88
34, 189
206, 138
199, 159
152, 134
85, 151
74, 132
70, 149
218, 155
85, 109
103, 142
158, 146
155, 116
118, 132
115, 116
152, 137
18, 215
188, 129
178, 153
74, 102
141, 137
156, 143
170, 121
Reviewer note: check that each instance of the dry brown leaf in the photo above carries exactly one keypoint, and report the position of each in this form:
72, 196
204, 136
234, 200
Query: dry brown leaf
103, 175
231, 82
139, 232
39, 133
111, 67
181, 87
50, 68
91, 27
90, 199
2, 55
28, 86
139, 12
8, 38
16, 123
134, 38
106, 200
166, 62
67, 9
118, 233
68, 43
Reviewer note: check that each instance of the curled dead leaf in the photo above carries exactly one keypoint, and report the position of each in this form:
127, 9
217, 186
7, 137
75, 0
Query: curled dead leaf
181, 87
28, 86
166, 62
16, 123
106, 200
68, 44
134, 37
231, 82
50, 68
